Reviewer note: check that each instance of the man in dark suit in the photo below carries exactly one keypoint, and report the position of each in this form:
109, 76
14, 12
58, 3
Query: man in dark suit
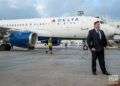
96, 42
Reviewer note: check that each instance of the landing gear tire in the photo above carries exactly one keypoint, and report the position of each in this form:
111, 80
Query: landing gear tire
5, 47
2, 47
31, 48
85, 47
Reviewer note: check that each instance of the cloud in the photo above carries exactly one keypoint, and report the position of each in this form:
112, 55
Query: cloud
44, 8
40, 8
11, 9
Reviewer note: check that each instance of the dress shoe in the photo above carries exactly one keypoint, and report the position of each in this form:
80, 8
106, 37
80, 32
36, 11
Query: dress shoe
94, 73
106, 73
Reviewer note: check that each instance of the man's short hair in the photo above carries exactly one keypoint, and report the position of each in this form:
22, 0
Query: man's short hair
96, 22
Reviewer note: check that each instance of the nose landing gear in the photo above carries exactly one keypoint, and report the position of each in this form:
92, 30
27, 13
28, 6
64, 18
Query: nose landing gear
85, 47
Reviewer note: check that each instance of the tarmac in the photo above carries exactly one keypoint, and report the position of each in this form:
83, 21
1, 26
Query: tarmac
65, 67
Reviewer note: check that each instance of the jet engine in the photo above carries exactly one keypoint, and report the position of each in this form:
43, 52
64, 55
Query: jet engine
23, 39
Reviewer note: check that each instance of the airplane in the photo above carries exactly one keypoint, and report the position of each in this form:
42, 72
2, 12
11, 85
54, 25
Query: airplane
25, 32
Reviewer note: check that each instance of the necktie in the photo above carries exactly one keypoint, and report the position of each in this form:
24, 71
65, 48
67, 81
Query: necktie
99, 33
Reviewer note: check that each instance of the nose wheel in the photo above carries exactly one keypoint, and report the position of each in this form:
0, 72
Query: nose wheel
85, 47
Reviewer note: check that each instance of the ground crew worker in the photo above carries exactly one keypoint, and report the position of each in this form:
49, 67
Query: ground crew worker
50, 46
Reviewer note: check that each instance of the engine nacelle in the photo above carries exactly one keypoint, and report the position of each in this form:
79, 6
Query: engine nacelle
23, 39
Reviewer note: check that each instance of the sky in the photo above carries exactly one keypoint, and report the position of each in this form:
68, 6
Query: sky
16, 9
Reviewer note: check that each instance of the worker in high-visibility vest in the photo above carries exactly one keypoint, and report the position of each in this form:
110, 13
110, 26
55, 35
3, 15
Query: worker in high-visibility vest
50, 46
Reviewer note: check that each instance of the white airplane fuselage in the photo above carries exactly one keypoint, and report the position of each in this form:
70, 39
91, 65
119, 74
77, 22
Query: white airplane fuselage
62, 27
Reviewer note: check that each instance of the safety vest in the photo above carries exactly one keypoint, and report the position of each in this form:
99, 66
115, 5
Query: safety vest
49, 44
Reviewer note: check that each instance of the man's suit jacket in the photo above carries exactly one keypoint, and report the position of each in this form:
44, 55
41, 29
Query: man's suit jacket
94, 41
